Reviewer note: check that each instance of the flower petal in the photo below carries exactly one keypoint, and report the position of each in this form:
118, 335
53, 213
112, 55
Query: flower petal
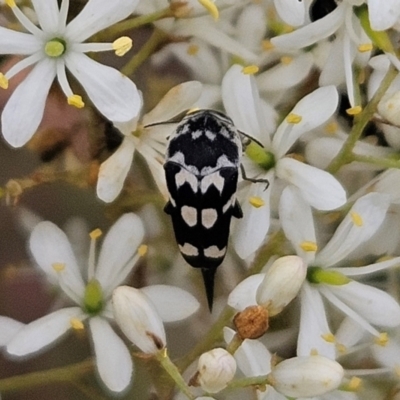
47, 14
97, 15
113, 171
177, 100
314, 109
40, 333
313, 325
118, 250
383, 15
113, 360
311, 33
374, 305
172, 303
13, 42
49, 245
113, 94
297, 222
362, 221
244, 294
319, 188
24, 110
8, 329
292, 12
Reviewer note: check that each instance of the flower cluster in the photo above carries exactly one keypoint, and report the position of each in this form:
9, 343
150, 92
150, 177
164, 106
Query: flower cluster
304, 183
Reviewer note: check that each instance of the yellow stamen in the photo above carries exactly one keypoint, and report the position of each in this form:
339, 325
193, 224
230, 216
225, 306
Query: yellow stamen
210, 7
328, 337
11, 3
354, 110
76, 324
354, 383
58, 267
192, 49
95, 234
256, 201
76, 101
267, 45
142, 250
122, 45
363, 48
382, 340
331, 128
308, 246
294, 118
286, 60
3, 81
341, 348
314, 352
250, 70
357, 219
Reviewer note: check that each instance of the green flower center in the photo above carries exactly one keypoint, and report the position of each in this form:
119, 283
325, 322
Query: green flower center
321, 275
257, 153
55, 47
93, 298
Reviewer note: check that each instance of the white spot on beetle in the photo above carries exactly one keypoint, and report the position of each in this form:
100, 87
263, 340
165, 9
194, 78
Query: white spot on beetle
214, 252
189, 215
189, 250
228, 204
208, 217
211, 135
183, 177
196, 134
213, 179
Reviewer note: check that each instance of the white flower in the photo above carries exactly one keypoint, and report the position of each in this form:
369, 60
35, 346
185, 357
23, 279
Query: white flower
149, 141
215, 369
91, 294
306, 376
8, 329
319, 188
364, 304
56, 46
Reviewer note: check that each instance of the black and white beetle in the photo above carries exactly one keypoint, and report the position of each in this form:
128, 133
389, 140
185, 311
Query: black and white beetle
201, 168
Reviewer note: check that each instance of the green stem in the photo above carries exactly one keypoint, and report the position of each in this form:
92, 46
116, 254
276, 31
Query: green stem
345, 155
69, 373
381, 162
174, 373
252, 381
136, 22
156, 39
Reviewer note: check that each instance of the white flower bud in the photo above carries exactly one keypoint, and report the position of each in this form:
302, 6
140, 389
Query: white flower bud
389, 108
138, 319
215, 370
306, 376
281, 283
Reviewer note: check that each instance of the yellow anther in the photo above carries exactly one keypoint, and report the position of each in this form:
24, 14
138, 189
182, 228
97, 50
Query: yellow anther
363, 48
341, 348
192, 49
76, 324
210, 7
76, 101
354, 383
331, 128
58, 267
95, 234
3, 81
382, 339
308, 246
122, 45
256, 201
357, 219
267, 45
314, 352
286, 60
354, 110
328, 337
294, 118
142, 250
11, 3
250, 70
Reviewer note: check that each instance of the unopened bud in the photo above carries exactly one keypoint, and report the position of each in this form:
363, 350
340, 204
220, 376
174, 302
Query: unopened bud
281, 283
138, 319
215, 370
389, 108
306, 376
252, 322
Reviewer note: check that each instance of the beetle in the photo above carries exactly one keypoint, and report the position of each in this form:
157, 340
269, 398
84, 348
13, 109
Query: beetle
201, 169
